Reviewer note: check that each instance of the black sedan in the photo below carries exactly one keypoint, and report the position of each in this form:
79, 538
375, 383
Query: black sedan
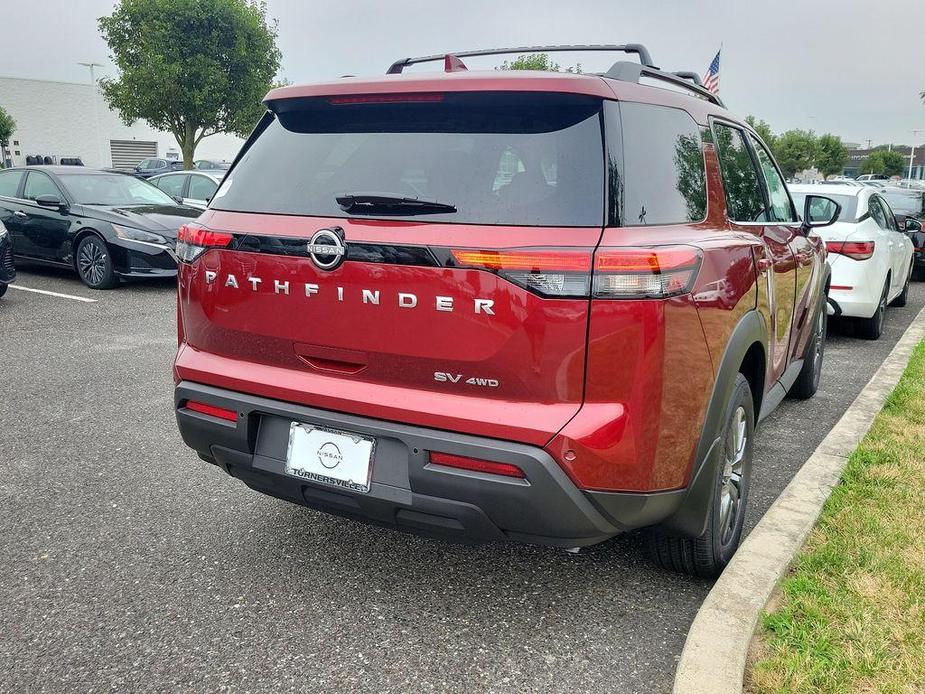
914, 229
106, 226
7, 271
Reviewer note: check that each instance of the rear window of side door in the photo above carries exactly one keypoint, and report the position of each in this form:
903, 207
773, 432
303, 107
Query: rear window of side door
748, 209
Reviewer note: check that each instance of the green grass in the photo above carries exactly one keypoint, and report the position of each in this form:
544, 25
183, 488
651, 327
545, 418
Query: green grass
850, 616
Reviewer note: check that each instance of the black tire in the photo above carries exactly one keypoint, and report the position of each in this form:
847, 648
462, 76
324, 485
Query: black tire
918, 273
94, 263
807, 382
871, 328
3, 289
903, 297
708, 555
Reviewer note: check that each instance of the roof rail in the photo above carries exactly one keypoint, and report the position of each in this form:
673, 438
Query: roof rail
625, 71
692, 76
644, 57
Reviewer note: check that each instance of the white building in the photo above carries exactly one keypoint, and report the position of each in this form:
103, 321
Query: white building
63, 119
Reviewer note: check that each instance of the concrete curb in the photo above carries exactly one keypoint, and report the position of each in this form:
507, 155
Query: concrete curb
713, 659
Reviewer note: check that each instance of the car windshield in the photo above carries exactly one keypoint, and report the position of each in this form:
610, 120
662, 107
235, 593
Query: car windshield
490, 158
822, 211
113, 189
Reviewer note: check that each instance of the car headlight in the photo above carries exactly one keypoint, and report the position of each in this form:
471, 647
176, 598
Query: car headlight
137, 235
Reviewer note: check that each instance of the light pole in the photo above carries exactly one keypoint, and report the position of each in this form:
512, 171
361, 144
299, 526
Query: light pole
96, 119
915, 131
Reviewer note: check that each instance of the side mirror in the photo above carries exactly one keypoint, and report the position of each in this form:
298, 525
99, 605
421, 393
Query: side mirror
826, 206
51, 201
913, 224
177, 199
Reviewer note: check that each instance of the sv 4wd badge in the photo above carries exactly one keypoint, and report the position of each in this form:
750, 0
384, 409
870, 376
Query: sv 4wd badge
445, 377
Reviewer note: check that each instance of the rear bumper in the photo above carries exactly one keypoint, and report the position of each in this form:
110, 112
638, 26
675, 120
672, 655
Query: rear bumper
407, 491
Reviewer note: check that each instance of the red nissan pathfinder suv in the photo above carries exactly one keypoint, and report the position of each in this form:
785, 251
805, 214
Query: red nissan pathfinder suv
501, 305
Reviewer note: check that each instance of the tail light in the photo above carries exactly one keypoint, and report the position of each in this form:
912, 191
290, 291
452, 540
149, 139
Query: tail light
616, 273
194, 240
476, 464
547, 272
653, 273
856, 250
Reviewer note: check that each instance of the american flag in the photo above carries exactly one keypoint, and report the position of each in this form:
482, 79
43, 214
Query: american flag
711, 79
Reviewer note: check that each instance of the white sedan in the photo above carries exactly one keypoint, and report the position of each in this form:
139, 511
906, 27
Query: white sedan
194, 188
870, 257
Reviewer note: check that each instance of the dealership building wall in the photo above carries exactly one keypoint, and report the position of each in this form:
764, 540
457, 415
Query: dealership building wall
70, 120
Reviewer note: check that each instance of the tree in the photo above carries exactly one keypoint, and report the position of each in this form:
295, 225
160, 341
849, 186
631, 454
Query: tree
7, 126
881, 161
763, 130
831, 154
536, 61
191, 67
795, 150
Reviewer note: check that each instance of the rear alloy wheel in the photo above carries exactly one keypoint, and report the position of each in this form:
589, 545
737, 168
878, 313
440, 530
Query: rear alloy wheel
807, 382
871, 328
709, 554
903, 297
94, 264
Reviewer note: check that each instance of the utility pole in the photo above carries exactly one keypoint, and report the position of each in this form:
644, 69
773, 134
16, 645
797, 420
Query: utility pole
96, 118
868, 144
915, 131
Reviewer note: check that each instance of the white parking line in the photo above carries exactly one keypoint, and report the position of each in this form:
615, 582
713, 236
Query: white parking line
63, 296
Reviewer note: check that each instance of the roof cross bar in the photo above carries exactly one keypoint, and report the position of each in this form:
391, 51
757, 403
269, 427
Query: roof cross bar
644, 57
625, 71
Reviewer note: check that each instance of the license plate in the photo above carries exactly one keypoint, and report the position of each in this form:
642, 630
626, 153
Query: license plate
338, 458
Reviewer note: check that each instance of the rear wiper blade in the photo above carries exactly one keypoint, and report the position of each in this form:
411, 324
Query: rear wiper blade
383, 203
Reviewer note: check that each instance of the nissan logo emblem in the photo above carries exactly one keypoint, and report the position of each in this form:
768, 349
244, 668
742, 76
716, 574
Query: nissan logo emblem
327, 248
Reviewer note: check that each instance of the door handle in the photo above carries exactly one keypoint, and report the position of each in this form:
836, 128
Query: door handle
20, 213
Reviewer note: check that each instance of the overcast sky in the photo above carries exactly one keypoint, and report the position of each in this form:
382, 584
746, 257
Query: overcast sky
851, 67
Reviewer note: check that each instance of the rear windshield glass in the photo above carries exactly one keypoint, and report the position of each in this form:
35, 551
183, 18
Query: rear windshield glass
499, 158
822, 211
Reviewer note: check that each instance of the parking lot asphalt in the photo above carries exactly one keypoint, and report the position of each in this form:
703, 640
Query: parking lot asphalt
131, 566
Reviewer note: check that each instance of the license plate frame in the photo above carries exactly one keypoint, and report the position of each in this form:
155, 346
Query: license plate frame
333, 457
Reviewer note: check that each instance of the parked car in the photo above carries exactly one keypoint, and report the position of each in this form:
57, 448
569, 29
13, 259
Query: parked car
905, 201
211, 165
916, 231
869, 254
7, 270
841, 182
152, 167
193, 188
501, 305
106, 226
873, 177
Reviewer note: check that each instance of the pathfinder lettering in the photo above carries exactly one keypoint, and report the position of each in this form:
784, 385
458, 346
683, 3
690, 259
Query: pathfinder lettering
370, 297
